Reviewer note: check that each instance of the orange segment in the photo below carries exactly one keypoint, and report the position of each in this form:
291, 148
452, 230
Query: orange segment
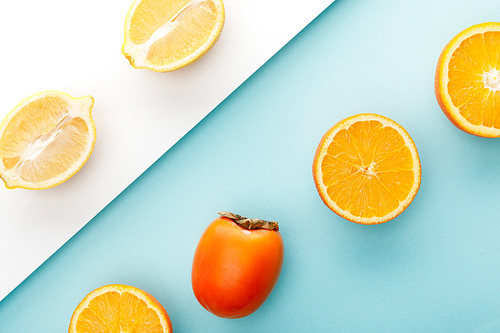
163, 35
45, 140
119, 308
468, 80
366, 169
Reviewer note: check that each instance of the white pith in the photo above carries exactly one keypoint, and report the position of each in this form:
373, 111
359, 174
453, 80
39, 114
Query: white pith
491, 79
369, 170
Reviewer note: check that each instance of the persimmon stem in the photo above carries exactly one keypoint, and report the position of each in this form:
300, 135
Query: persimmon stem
250, 224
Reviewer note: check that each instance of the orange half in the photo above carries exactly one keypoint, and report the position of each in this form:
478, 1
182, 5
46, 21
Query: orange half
467, 80
366, 169
118, 308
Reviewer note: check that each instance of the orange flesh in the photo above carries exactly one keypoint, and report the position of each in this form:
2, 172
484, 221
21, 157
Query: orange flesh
38, 134
118, 312
474, 79
368, 169
172, 29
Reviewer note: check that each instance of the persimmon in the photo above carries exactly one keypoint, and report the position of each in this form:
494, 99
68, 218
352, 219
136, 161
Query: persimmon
236, 265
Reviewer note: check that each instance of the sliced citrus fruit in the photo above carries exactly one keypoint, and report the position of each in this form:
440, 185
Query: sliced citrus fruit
45, 140
467, 81
117, 308
366, 169
163, 35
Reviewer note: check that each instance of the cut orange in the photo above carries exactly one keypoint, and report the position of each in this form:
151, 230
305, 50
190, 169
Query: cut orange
468, 80
45, 140
366, 169
163, 35
118, 308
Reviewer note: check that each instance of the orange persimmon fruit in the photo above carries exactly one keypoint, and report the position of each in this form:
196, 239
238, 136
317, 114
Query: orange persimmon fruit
236, 265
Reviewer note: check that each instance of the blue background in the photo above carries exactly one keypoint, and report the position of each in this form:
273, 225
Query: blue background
435, 268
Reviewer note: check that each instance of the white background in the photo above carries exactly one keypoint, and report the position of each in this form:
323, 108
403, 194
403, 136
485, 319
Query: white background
75, 47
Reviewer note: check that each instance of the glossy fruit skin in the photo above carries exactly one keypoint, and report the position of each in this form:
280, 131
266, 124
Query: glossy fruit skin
234, 269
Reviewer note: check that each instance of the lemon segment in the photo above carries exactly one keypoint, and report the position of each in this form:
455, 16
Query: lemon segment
45, 140
164, 35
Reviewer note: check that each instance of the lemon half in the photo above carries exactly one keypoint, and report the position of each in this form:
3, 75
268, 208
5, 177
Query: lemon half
45, 140
164, 35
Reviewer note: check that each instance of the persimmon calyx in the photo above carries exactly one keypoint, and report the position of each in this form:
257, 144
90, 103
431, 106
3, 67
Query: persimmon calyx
250, 224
